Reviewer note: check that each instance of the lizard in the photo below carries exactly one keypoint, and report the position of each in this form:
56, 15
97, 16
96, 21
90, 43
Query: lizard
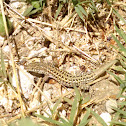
65, 78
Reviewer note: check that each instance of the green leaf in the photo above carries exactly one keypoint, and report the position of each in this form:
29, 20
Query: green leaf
116, 77
98, 118
58, 10
35, 4
84, 2
56, 105
82, 10
9, 26
93, 6
123, 86
26, 121
1, 80
77, 93
35, 7
50, 110
3, 65
68, 100
42, 3
120, 45
85, 119
122, 57
50, 120
119, 68
87, 99
118, 42
66, 123
75, 2
109, 3
123, 63
122, 103
119, 16
123, 96
118, 123
34, 11
116, 116
79, 13
121, 33
27, 11
120, 111
74, 110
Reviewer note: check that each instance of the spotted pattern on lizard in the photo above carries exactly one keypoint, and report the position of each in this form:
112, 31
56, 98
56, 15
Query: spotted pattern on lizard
65, 78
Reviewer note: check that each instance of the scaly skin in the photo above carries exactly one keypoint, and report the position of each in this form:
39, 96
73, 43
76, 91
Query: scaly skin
65, 78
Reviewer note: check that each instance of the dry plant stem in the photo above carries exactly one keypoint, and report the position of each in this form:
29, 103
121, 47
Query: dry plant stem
40, 106
120, 3
54, 26
35, 89
38, 83
84, 53
48, 100
14, 11
95, 101
109, 14
53, 40
60, 27
39, 89
48, 37
8, 115
12, 60
41, 85
49, 3
70, 18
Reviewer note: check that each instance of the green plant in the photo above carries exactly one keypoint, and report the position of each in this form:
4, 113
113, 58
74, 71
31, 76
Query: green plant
79, 7
3, 73
24, 122
120, 113
9, 26
73, 114
36, 7
5, 77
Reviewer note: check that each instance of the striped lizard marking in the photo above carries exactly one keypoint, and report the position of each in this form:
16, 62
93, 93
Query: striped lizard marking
65, 78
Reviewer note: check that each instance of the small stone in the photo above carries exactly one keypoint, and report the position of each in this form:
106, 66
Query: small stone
106, 117
109, 104
25, 83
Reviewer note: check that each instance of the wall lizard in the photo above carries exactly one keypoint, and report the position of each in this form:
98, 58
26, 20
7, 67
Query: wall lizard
65, 78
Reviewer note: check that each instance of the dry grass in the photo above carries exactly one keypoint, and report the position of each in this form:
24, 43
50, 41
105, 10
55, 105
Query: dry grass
70, 41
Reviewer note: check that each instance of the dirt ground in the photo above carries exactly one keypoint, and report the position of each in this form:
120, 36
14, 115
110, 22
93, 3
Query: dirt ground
71, 45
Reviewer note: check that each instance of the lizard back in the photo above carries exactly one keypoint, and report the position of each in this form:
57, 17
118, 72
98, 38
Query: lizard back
63, 77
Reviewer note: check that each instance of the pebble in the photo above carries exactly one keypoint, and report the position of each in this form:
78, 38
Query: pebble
106, 117
109, 104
